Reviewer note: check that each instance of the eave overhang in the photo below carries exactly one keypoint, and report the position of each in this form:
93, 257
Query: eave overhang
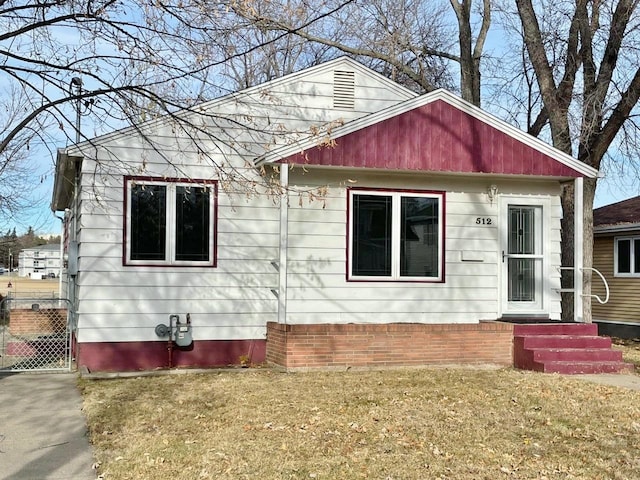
616, 228
64, 181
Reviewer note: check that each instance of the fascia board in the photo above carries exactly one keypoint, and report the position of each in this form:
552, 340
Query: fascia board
617, 228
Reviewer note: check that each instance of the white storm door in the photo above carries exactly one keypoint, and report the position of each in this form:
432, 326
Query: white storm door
522, 259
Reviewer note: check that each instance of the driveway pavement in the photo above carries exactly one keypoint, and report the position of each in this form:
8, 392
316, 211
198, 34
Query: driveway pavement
42, 428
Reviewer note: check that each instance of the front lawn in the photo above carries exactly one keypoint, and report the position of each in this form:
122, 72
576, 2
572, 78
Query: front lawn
395, 424
630, 350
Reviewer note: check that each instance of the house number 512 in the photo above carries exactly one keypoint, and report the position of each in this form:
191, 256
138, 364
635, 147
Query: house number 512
483, 221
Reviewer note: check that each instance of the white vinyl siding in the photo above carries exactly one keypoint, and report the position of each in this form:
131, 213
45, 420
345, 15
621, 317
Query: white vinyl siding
117, 303
318, 288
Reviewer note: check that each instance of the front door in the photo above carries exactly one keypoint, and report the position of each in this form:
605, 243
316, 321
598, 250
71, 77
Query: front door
522, 258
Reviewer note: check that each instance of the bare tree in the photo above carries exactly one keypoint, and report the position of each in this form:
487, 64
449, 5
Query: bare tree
588, 75
110, 64
16, 171
410, 41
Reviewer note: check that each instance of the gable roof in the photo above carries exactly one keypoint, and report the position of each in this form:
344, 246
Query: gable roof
436, 132
620, 216
69, 158
343, 62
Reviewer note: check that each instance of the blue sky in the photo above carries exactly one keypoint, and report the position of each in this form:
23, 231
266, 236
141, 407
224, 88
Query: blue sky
613, 187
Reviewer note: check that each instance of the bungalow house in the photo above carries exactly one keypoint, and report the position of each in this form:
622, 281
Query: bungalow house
327, 218
616, 254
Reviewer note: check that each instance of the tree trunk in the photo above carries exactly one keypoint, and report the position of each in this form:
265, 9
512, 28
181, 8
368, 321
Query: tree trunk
567, 236
567, 239
589, 195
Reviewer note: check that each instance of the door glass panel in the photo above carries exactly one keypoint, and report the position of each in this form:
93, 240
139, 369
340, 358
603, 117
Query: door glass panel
521, 230
522, 280
522, 272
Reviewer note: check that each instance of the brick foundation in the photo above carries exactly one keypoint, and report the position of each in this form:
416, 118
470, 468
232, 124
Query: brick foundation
43, 321
388, 345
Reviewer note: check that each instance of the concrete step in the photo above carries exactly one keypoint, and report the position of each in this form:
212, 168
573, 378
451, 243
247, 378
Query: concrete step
575, 367
576, 354
589, 329
561, 341
568, 348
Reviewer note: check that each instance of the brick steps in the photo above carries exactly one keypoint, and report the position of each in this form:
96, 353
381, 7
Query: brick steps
576, 368
568, 348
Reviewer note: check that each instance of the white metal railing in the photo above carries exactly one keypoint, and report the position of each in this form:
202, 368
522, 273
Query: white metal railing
593, 295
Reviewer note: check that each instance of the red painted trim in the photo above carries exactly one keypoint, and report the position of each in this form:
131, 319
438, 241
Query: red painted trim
166, 181
435, 137
134, 356
442, 239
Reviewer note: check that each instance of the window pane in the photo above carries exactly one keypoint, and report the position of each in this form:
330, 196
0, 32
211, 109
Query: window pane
148, 222
624, 256
371, 233
419, 237
636, 255
521, 230
192, 224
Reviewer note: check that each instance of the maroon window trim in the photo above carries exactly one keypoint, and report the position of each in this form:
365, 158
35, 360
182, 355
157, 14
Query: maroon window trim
166, 181
442, 238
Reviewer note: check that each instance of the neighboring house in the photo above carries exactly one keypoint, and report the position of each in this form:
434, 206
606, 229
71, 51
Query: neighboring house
39, 262
616, 254
409, 225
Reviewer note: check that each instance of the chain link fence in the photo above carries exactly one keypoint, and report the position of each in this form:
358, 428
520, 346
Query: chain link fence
35, 333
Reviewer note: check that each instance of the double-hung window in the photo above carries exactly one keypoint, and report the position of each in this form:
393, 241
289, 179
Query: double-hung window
395, 235
170, 222
627, 256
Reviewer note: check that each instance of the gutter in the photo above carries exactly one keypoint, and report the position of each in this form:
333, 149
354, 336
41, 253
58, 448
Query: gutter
618, 228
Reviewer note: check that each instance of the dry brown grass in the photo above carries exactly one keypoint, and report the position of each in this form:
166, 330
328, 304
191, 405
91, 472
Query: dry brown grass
394, 424
630, 350
20, 285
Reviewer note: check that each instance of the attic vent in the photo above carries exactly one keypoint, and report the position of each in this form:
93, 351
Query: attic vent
344, 89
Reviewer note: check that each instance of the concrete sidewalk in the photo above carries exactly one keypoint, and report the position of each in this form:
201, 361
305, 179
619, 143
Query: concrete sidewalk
629, 381
42, 428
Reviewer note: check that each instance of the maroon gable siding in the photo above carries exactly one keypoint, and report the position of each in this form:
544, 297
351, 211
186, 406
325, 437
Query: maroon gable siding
436, 137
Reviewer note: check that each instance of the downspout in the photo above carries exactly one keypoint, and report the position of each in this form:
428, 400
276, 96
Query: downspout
61, 254
578, 258
284, 243
72, 276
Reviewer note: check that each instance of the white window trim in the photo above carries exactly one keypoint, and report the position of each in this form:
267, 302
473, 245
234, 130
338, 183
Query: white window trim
395, 239
171, 223
632, 254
